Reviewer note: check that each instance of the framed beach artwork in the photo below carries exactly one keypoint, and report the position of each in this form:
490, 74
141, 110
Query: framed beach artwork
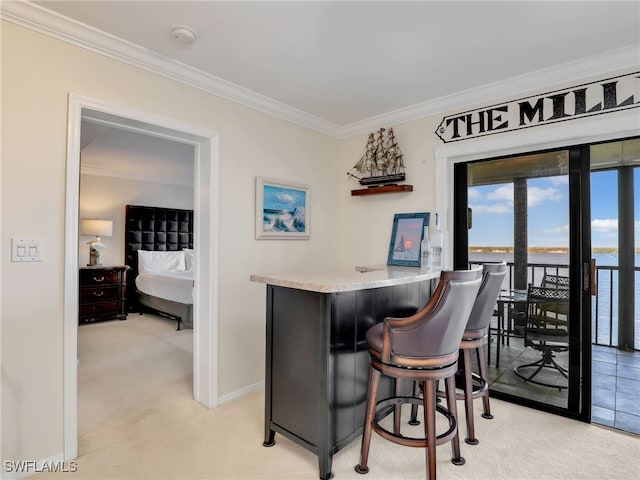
406, 237
282, 209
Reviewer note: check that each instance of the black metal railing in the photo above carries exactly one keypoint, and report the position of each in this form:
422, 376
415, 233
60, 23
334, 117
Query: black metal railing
604, 308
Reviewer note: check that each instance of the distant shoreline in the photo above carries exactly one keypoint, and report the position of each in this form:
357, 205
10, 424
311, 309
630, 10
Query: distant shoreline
542, 250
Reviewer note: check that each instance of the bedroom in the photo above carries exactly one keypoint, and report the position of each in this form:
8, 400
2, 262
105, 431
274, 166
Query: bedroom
120, 168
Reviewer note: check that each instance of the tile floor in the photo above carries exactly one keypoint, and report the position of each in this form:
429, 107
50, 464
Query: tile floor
616, 388
615, 383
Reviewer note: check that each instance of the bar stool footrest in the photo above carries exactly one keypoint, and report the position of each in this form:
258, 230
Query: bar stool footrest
382, 412
480, 386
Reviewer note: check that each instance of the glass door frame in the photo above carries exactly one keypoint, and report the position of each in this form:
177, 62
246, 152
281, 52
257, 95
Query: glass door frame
579, 392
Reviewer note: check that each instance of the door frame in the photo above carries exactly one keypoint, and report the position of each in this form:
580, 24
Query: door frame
206, 235
579, 207
614, 126
577, 134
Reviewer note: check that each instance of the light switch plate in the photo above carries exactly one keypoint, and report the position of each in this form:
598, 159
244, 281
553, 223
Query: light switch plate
26, 250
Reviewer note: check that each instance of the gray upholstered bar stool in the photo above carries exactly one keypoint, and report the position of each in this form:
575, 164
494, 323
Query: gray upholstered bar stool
421, 348
475, 338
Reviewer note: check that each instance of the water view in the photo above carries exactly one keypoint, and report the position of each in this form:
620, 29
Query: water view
604, 304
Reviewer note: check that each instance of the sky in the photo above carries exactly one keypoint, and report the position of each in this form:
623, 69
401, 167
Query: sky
279, 198
548, 210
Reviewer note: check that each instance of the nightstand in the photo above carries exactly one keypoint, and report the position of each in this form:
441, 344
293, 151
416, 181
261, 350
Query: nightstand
102, 292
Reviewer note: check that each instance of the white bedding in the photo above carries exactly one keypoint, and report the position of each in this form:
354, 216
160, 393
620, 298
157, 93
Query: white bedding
174, 285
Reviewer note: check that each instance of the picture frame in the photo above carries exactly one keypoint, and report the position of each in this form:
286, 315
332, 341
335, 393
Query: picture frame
282, 210
406, 238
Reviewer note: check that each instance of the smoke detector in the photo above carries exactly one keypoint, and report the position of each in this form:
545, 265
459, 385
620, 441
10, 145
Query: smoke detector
184, 35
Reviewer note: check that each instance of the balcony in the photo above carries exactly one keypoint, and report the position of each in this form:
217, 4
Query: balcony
615, 373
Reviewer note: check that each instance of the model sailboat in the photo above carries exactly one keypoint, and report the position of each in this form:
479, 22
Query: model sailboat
382, 162
400, 246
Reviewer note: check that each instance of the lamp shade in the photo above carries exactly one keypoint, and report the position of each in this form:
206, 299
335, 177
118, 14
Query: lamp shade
99, 228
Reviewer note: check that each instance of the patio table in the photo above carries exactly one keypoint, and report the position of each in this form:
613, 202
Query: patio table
508, 300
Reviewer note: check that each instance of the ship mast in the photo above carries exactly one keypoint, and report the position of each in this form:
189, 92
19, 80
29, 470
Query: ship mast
395, 161
367, 159
380, 164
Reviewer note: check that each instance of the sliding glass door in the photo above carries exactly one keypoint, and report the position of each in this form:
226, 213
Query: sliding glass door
533, 211
615, 219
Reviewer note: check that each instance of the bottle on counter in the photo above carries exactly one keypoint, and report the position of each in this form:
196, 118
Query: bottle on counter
424, 248
436, 246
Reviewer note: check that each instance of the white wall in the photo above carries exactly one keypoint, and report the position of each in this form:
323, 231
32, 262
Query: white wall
105, 198
366, 221
38, 73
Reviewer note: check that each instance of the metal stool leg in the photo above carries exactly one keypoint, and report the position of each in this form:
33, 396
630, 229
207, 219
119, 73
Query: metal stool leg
374, 381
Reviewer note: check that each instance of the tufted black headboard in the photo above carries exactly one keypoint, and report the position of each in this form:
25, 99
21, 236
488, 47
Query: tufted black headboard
153, 228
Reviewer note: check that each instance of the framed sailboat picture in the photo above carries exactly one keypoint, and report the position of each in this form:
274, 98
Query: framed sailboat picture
406, 237
282, 209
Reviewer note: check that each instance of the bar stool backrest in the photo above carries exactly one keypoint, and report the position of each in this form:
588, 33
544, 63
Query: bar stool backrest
436, 330
492, 278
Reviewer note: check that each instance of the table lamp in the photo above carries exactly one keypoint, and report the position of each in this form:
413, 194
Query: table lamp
98, 228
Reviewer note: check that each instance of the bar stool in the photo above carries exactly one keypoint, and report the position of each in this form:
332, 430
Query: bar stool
476, 337
422, 348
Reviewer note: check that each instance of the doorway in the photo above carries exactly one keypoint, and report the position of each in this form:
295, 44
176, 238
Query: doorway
206, 219
615, 217
533, 211
530, 211
126, 368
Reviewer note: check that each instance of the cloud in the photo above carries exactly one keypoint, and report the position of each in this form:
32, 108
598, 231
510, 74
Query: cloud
556, 230
536, 195
504, 192
493, 208
561, 180
604, 224
285, 198
503, 197
474, 194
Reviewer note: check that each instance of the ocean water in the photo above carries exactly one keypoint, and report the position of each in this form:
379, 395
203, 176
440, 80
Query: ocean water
604, 305
602, 259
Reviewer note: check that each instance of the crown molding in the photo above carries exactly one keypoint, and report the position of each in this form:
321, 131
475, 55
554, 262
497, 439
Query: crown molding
106, 171
50, 23
626, 58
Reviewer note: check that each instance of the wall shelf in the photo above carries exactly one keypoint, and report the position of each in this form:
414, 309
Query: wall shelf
382, 189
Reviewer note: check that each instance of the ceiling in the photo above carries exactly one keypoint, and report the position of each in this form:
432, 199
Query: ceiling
345, 62
347, 67
128, 154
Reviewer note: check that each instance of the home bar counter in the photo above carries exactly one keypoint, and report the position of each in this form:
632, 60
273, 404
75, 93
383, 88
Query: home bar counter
317, 362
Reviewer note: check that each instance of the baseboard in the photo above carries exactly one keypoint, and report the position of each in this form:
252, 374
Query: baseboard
241, 393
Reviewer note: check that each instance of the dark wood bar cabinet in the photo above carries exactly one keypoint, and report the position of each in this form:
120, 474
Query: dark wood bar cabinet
317, 362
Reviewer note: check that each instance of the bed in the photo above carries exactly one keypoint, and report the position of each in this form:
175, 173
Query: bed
159, 252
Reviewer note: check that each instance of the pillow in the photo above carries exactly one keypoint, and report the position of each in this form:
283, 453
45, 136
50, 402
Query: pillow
190, 258
160, 261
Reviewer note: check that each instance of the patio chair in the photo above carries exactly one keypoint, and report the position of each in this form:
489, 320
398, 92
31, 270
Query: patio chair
546, 330
554, 281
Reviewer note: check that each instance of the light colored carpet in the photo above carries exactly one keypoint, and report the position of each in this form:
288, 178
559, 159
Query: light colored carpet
137, 420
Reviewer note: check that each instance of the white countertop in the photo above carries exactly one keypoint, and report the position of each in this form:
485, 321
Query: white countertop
360, 278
